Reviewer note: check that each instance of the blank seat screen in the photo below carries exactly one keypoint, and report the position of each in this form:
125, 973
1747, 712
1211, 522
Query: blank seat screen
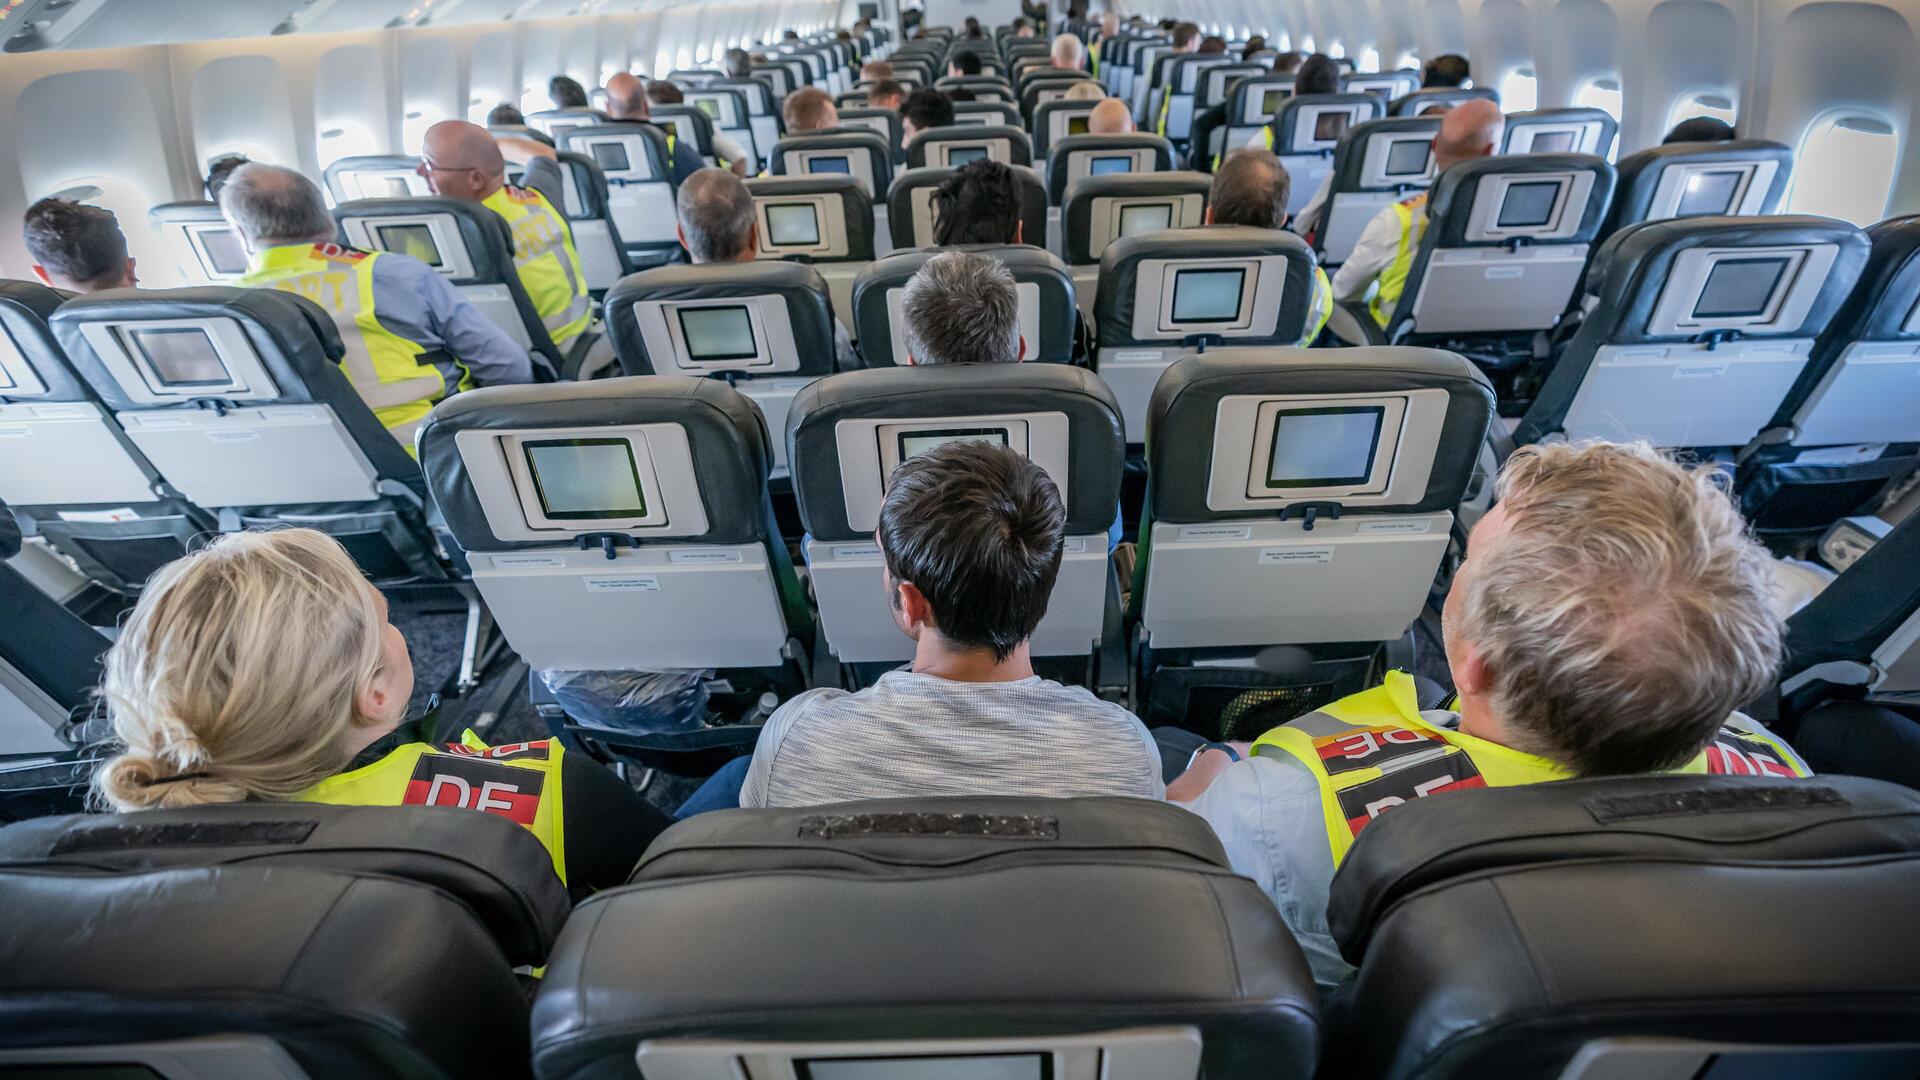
1408, 157
972, 1067
1206, 296
1739, 288
611, 157
829, 165
394, 186
181, 356
414, 240
915, 443
717, 333
1552, 142
224, 251
793, 224
1107, 166
1324, 447
966, 155
1709, 193
1139, 219
585, 479
1529, 204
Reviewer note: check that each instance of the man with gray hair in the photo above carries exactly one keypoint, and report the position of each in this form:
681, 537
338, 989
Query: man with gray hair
1069, 52
717, 224
411, 339
962, 308
1611, 618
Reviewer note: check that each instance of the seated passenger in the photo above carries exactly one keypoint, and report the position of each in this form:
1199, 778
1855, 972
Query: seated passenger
809, 111
1110, 117
627, 100
217, 172
717, 224
1212, 43
972, 538
1700, 129
738, 63
77, 247
730, 153
1255, 45
963, 64
1611, 616
1444, 72
886, 94
978, 204
411, 339
1384, 253
1251, 188
566, 93
875, 70
1085, 90
1069, 53
505, 115
1317, 74
462, 161
264, 667
925, 108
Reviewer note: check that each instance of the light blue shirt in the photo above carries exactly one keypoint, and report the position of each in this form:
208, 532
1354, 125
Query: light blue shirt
415, 301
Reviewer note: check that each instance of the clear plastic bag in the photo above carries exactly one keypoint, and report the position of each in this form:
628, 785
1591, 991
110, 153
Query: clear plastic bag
632, 702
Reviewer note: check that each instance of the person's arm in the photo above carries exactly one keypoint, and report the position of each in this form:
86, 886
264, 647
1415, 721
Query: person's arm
607, 825
730, 152
754, 791
543, 175
521, 150
484, 348
1308, 218
1379, 243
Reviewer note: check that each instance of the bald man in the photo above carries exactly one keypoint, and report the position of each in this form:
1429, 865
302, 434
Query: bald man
1069, 52
627, 101
1110, 117
462, 161
1386, 248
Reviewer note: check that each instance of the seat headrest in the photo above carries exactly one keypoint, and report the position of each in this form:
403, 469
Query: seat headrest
913, 185
484, 234
26, 308
1123, 261
1693, 819
1182, 415
1064, 150
1582, 115
492, 865
399, 167
856, 209
1097, 439
1451, 205
1285, 123
1858, 611
1441, 98
578, 140
1350, 171
726, 435
1630, 271
1879, 307
800, 287
352, 975
1640, 172
874, 301
1019, 147
589, 184
9, 534
932, 919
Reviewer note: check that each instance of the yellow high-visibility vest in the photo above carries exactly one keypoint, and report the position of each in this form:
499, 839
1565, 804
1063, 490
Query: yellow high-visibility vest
545, 258
1373, 751
1412, 216
395, 376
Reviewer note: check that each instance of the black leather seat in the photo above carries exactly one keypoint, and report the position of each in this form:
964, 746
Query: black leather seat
1646, 193
1645, 926
906, 927
1048, 323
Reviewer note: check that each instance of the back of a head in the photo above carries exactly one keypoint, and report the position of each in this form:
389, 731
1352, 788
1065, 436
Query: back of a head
886, 94
1255, 44
967, 62
1250, 188
237, 674
1445, 72
1110, 117
1289, 62
876, 70
566, 92
809, 109
716, 216
1085, 90
1318, 74
1184, 36
271, 205
1469, 130
1700, 129
1624, 612
1212, 44
962, 308
979, 530
927, 108
978, 204
662, 92
77, 244
738, 63
627, 98
1068, 51
505, 115
222, 167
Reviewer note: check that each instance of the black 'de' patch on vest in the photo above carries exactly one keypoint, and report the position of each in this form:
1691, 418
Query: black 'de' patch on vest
476, 784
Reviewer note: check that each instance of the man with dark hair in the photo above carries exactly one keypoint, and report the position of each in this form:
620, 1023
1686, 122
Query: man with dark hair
566, 92
808, 110
1212, 44
875, 70
886, 94
738, 63
1288, 62
218, 170
1317, 74
505, 115
1255, 45
1444, 72
77, 247
725, 148
1186, 37
971, 534
925, 108
1700, 129
1251, 189
964, 63
978, 204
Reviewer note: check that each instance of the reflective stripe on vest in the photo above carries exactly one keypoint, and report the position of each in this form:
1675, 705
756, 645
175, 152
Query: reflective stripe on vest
1373, 751
1321, 308
545, 258
393, 374
518, 781
1393, 280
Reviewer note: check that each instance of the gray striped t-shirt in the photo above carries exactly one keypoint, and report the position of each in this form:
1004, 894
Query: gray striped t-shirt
921, 735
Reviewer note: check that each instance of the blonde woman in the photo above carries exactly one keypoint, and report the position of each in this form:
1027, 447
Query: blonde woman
263, 667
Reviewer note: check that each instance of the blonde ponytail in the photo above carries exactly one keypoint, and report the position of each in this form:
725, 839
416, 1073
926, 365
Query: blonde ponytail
236, 675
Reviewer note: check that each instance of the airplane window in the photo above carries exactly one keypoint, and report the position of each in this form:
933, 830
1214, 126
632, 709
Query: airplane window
1714, 105
1844, 169
1369, 60
1520, 91
1602, 94
584, 479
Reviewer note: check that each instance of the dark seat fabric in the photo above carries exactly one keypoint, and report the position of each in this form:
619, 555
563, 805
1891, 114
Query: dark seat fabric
352, 976
930, 919
492, 866
1500, 931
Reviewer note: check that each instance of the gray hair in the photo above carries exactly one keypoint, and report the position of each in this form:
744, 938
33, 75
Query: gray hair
1069, 50
716, 214
272, 205
962, 308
